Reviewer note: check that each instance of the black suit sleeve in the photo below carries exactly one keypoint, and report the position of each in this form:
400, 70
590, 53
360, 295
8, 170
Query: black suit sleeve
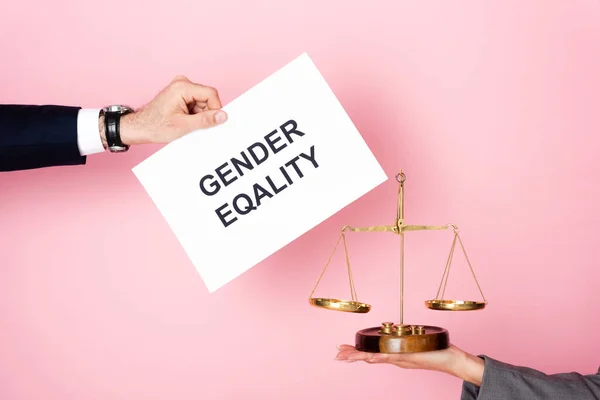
38, 136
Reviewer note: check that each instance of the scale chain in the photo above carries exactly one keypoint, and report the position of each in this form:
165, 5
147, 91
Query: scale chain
350, 278
353, 293
444, 281
447, 269
470, 267
326, 265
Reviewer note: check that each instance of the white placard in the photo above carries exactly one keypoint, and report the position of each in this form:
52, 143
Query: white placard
288, 158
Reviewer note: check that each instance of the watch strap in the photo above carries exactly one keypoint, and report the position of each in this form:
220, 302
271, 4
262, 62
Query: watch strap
112, 123
112, 127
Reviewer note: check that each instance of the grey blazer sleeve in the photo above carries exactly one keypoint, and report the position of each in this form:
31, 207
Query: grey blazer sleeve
503, 381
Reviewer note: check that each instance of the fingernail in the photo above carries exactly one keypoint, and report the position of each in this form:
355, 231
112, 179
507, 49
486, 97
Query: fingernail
220, 117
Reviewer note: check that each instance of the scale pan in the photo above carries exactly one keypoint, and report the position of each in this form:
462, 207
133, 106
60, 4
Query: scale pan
340, 305
455, 305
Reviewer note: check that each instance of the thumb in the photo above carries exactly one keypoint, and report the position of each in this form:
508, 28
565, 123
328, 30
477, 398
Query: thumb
206, 119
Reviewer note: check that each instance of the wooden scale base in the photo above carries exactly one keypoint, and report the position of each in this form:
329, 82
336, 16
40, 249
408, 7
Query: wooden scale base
393, 339
398, 338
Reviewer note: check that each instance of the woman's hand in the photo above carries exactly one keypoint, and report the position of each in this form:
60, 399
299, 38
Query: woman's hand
452, 360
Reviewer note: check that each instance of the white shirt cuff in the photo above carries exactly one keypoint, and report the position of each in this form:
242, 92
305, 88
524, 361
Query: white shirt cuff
88, 136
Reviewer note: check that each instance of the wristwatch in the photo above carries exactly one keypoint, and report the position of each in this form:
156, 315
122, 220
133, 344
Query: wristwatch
112, 127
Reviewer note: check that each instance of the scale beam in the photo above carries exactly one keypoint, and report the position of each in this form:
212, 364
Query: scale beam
376, 228
407, 228
399, 228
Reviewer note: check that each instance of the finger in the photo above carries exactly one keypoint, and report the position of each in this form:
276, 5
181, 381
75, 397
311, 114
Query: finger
344, 354
345, 358
359, 355
195, 93
350, 354
197, 108
206, 119
354, 356
371, 358
180, 78
344, 351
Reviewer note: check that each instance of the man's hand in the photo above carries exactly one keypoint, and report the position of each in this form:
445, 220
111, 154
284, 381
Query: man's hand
451, 361
178, 109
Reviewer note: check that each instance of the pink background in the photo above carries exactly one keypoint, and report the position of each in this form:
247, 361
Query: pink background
491, 107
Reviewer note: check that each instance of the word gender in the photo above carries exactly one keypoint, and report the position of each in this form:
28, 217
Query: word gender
250, 158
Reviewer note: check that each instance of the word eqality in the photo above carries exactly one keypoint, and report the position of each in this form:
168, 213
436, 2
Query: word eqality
243, 203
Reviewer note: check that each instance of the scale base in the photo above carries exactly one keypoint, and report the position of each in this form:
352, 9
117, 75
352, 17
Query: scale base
401, 339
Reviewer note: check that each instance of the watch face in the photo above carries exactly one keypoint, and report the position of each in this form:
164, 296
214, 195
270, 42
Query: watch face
118, 149
115, 108
118, 109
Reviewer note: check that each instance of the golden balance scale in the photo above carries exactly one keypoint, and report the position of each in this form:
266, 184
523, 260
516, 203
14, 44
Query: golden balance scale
400, 338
